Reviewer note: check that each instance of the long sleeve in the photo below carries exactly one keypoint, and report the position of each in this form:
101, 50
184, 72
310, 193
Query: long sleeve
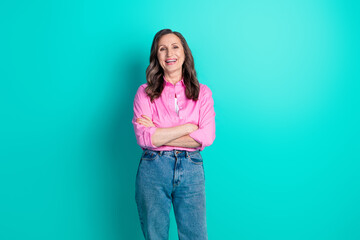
205, 134
142, 107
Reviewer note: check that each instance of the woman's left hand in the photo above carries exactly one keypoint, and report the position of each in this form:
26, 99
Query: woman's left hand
146, 121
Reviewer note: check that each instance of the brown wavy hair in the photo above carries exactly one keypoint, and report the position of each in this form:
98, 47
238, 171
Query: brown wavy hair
154, 72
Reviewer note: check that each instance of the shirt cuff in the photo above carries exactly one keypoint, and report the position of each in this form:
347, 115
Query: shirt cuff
197, 136
147, 136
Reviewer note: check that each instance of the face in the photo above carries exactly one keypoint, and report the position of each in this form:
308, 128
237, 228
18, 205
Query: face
171, 53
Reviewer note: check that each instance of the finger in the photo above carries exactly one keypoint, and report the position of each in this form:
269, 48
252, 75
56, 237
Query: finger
147, 119
144, 116
142, 119
144, 122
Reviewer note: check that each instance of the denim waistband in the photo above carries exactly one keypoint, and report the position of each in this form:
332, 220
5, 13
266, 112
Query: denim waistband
174, 152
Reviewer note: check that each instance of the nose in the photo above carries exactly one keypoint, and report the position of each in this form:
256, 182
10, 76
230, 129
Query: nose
169, 53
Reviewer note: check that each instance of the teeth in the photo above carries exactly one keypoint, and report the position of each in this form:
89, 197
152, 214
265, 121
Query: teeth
171, 61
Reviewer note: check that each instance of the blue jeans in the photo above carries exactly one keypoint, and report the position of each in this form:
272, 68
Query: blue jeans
171, 177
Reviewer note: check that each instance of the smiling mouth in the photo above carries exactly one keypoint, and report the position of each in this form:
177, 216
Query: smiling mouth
171, 61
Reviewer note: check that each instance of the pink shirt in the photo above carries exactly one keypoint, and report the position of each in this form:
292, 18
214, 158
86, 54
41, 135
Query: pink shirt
163, 114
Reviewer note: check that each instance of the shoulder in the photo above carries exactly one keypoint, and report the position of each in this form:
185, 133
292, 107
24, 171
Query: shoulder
141, 89
140, 93
204, 90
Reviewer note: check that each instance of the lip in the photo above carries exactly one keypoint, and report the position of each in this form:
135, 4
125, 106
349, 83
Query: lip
170, 63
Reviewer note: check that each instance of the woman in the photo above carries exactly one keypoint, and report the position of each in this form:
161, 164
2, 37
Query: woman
174, 120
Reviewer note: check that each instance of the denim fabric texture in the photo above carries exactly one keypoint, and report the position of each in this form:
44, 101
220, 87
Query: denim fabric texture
171, 177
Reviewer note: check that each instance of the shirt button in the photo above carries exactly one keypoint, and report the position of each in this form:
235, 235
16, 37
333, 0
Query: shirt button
180, 117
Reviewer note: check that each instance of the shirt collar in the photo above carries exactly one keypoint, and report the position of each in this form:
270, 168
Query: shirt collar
170, 84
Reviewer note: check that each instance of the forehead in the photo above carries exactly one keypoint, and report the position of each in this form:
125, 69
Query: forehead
169, 39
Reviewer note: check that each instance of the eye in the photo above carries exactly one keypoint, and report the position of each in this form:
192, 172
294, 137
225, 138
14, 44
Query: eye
162, 49
176, 47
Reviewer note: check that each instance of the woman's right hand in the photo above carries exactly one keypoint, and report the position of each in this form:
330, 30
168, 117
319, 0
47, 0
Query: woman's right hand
191, 127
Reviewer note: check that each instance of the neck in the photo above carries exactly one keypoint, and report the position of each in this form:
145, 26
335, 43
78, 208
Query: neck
173, 78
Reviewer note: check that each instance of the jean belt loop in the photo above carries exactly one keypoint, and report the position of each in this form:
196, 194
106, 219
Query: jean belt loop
160, 153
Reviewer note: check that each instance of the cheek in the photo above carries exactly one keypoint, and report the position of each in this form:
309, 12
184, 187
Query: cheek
182, 59
183, 56
160, 57
160, 60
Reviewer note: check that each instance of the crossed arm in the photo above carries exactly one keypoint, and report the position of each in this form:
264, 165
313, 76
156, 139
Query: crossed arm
177, 136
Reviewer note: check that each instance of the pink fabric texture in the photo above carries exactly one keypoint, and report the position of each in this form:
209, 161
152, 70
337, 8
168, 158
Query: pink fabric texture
163, 114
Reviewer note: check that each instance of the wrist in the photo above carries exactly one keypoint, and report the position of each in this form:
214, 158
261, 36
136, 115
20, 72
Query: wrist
187, 128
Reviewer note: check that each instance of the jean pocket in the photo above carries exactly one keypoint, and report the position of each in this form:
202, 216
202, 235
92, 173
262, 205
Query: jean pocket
195, 157
149, 155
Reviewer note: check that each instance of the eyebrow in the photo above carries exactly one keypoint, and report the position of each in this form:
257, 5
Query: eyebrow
165, 46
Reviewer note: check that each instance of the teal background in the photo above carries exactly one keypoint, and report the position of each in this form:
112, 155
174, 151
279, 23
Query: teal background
285, 81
